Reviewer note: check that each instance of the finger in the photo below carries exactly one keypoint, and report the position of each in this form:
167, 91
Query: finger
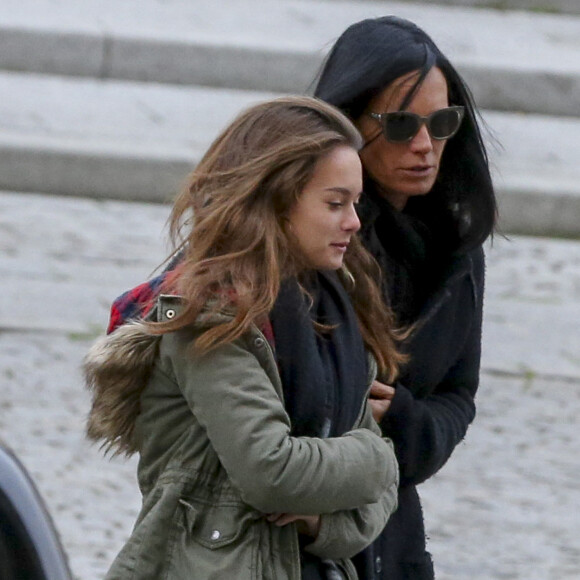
381, 391
286, 519
379, 407
377, 390
273, 517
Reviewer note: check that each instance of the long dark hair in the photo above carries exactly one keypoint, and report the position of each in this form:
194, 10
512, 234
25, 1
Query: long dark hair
367, 58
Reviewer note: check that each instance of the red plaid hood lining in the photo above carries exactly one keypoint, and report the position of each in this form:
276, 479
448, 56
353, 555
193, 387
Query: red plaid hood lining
139, 301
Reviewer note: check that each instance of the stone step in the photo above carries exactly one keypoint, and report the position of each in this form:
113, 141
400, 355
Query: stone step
513, 60
137, 141
540, 6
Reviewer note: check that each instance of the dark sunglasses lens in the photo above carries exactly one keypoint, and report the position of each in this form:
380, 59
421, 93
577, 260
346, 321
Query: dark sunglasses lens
444, 123
400, 127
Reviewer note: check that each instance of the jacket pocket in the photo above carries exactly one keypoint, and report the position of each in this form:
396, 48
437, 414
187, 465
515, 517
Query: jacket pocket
215, 542
213, 526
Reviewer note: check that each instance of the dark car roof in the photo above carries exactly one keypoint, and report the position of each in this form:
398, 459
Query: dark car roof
29, 544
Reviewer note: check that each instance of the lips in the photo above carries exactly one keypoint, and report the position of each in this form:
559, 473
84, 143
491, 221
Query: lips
340, 245
419, 169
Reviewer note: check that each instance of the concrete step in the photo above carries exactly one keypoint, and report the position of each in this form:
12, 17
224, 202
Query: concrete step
137, 141
513, 60
540, 6
112, 139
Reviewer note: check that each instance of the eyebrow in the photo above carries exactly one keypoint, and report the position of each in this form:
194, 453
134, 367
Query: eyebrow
342, 191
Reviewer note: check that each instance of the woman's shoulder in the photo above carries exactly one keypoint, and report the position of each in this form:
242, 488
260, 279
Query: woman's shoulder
477, 260
469, 260
179, 345
169, 307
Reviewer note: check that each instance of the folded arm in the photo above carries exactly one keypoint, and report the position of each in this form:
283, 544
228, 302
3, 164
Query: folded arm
236, 401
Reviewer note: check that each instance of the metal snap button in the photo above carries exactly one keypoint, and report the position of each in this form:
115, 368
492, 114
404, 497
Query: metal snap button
170, 313
258, 342
216, 535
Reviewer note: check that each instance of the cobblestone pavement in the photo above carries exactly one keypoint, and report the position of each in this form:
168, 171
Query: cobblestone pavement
504, 507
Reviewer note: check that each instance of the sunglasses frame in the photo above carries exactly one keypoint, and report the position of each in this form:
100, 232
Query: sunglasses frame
381, 117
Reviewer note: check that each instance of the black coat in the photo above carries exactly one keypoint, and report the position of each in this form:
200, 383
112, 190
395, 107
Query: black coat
434, 398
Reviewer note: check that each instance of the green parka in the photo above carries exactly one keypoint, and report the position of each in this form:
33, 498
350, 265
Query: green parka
216, 455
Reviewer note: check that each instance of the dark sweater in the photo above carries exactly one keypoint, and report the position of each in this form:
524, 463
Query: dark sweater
434, 399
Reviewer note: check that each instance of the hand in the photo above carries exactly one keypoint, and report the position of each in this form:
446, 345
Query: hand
307, 525
380, 399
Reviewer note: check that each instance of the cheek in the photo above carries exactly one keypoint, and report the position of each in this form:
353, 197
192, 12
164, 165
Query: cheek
301, 227
438, 148
378, 158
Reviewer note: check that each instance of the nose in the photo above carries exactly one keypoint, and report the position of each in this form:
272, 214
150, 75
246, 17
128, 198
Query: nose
422, 142
351, 222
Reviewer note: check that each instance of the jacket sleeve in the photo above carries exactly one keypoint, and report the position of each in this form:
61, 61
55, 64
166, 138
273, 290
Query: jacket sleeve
233, 398
345, 533
425, 431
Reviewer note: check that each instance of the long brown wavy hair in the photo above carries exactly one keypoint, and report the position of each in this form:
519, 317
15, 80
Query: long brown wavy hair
229, 224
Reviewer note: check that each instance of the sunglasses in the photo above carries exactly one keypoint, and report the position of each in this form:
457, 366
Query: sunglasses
402, 126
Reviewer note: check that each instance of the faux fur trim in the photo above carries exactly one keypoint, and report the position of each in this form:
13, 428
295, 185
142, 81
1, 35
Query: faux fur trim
116, 369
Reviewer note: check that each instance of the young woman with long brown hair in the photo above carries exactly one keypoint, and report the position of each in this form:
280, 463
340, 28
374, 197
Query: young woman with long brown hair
243, 386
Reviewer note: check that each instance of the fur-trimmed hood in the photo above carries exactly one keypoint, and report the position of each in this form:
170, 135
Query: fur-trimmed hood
116, 369
118, 366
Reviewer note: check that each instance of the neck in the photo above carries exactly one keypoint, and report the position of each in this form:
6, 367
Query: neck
397, 200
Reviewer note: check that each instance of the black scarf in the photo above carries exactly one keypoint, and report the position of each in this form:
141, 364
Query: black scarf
413, 248
323, 374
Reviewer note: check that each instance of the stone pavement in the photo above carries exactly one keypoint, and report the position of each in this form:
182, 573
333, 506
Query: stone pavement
504, 507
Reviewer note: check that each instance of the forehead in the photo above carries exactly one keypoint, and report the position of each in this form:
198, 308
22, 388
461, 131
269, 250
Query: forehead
339, 171
340, 165
434, 88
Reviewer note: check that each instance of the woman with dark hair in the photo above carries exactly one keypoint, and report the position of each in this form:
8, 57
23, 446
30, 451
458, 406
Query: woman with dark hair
243, 387
429, 205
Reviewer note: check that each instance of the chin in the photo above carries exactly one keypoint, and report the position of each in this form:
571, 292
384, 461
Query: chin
419, 190
425, 187
331, 265
399, 197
